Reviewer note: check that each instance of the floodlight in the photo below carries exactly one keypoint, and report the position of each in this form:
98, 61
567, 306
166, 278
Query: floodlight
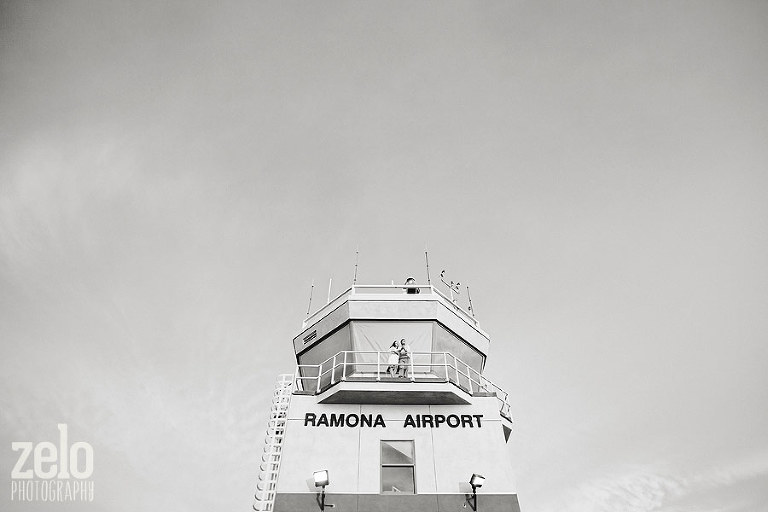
476, 480
321, 478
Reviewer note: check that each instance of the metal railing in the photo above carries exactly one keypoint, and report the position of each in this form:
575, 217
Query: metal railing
273, 444
372, 366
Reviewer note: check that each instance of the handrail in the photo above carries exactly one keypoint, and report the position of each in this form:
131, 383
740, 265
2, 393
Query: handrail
439, 367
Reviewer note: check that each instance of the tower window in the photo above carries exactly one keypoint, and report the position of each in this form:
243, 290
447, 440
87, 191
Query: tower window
397, 467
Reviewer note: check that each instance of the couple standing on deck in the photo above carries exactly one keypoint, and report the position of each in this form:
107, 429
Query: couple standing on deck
399, 359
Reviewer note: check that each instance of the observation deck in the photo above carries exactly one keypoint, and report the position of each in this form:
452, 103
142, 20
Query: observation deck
342, 351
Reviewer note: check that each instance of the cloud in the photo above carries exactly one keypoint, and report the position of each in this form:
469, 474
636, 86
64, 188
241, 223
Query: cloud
654, 489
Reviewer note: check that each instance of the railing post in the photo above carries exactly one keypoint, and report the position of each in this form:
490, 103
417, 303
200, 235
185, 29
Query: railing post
296, 380
413, 375
319, 374
378, 365
333, 370
456, 367
469, 379
445, 362
344, 368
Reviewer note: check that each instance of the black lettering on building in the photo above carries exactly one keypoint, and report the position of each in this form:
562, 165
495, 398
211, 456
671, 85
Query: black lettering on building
337, 420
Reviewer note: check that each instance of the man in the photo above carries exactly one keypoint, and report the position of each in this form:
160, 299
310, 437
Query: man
404, 360
412, 287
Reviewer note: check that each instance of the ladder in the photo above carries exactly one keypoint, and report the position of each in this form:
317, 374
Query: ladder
273, 444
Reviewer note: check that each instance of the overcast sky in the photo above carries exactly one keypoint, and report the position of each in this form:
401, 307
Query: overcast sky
173, 176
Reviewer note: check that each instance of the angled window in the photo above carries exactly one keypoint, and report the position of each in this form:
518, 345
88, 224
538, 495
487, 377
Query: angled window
397, 468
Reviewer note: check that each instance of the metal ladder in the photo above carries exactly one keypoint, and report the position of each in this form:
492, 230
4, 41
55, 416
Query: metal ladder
273, 444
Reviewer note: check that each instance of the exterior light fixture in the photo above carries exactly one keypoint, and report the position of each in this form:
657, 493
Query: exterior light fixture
476, 481
321, 480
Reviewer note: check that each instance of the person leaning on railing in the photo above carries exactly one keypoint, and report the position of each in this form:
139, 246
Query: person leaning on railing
393, 359
404, 359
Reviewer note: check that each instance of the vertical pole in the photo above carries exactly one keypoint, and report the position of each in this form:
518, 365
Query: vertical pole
319, 373
330, 281
471, 309
456, 367
354, 280
426, 257
469, 378
344, 369
333, 370
378, 365
311, 288
445, 361
413, 375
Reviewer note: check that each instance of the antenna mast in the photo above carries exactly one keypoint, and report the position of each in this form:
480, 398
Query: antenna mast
469, 297
311, 288
426, 257
354, 279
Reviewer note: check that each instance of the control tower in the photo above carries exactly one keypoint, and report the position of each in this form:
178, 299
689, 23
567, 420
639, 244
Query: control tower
349, 430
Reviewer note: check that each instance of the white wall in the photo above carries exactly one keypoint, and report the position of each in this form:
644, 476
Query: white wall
445, 457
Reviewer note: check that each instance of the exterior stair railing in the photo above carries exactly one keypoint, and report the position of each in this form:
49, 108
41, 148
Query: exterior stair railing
273, 443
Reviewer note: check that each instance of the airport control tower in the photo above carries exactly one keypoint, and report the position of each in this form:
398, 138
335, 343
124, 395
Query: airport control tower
352, 431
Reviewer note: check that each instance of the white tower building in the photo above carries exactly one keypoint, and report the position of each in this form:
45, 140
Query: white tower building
346, 431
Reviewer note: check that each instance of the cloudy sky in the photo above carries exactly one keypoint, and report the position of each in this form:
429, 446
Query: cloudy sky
173, 176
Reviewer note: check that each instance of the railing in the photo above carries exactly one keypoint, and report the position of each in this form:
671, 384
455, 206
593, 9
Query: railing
372, 366
425, 292
273, 444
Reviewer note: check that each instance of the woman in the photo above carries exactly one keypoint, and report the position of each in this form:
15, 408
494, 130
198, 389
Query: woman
394, 357
404, 359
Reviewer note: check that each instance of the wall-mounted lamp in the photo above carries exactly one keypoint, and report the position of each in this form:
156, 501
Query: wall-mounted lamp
321, 480
476, 481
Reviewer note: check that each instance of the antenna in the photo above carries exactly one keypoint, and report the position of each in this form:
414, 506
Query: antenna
330, 281
426, 257
471, 309
310, 297
452, 287
354, 279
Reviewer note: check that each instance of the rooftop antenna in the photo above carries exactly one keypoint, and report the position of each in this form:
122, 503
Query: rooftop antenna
426, 257
469, 297
330, 281
311, 288
452, 287
354, 279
